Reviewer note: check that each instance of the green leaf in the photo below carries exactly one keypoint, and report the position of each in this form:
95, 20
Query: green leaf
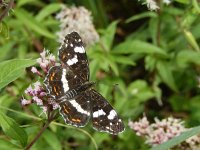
141, 16
4, 29
112, 65
52, 140
152, 29
150, 62
183, 1
5, 49
30, 22
174, 11
12, 129
21, 3
136, 46
94, 67
12, 69
190, 38
122, 59
177, 140
48, 10
165, 73
196, 5
7, 145
108, 36
140, 90
186, 57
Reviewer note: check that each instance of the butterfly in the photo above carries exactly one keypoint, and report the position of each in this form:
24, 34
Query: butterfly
68, 84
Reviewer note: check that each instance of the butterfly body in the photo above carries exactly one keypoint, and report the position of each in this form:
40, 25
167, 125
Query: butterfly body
68, 84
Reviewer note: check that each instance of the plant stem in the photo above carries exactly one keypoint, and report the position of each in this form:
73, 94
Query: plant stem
5, 12
159, 24
38, 135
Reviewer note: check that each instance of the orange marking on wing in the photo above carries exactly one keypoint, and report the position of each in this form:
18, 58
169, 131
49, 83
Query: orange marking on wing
52, 76
65, 108
55, 90
63, 57
76, 120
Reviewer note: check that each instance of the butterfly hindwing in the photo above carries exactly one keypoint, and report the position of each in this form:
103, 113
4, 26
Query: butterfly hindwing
104, 117
76, 111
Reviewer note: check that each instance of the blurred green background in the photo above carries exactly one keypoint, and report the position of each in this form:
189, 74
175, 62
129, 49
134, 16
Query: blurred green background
144, 62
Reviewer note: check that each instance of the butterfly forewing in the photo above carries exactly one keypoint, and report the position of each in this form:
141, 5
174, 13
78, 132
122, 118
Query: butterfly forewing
72, 55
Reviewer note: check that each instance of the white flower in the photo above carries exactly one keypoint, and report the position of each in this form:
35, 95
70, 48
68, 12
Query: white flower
77, 19
39, 60
25, 102
43, 54
52, 58
53, 103
152, 5
167, 2
34, 70
38, 100
44, 109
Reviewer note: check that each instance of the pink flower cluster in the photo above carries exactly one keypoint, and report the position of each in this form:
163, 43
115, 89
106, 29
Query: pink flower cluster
37, 92
46, 61
158, 132
162, 131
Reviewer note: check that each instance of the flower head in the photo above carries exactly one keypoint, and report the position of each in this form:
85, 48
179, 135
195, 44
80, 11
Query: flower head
25, 102
77, 19
163, 130
167, 2
152, 5
141, 127
37, 91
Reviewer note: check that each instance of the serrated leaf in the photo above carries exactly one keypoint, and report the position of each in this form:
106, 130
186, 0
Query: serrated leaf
12, 129
28, 20
177, 140
52, 140
12, 69
136, 46
48, 10
165, 73
108, 36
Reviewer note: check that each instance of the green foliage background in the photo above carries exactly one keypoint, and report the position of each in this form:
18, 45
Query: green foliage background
149, 61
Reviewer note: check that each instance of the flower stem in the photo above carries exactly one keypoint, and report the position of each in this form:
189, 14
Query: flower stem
51, 117
5, 12
38, 135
